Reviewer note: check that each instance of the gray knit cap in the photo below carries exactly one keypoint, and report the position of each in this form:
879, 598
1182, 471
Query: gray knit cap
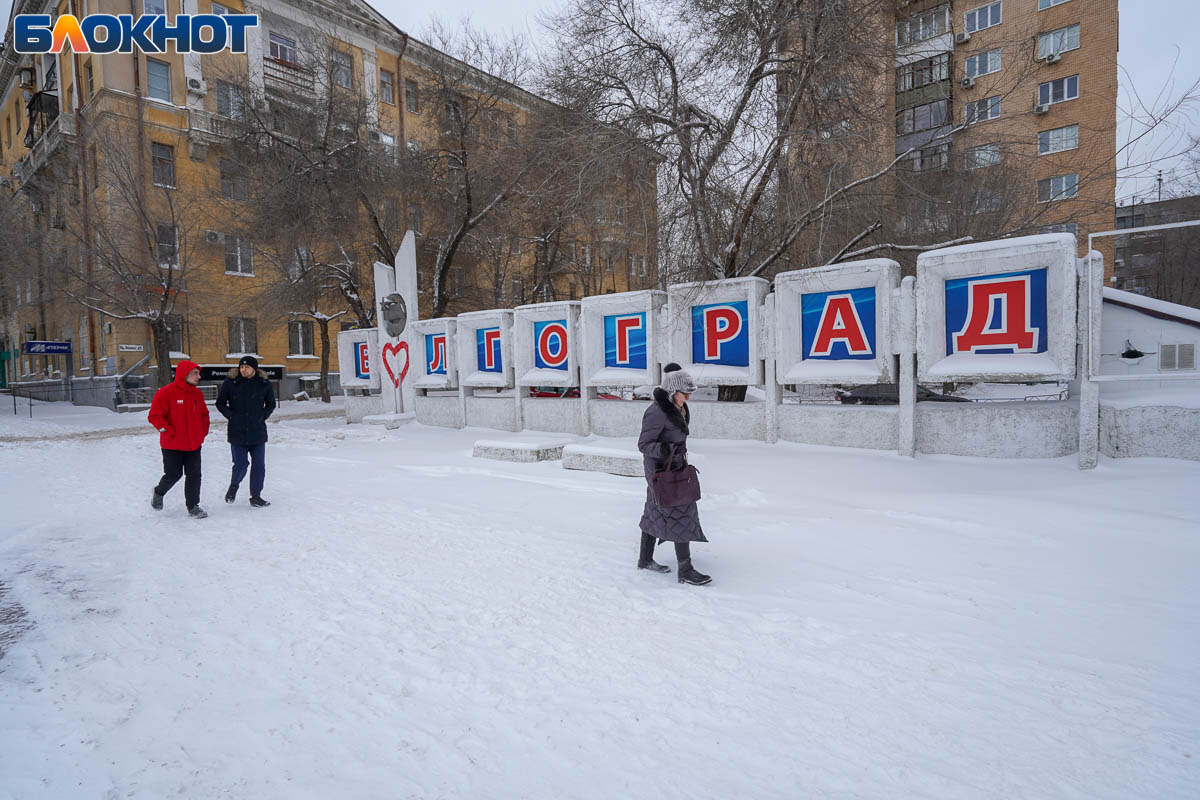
675, 379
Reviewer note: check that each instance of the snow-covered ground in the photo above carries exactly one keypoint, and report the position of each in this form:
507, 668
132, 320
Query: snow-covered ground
408, 622
49, 419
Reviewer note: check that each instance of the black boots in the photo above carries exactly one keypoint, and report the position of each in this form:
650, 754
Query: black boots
258, 502
646, 556
156, 500
687, 574
231, 494
196, 512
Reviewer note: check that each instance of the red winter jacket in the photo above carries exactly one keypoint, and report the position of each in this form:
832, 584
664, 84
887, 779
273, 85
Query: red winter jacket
178, 412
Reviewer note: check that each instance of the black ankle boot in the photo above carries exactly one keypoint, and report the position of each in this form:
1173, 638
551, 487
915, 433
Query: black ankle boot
689, 575
231, 494
646, 556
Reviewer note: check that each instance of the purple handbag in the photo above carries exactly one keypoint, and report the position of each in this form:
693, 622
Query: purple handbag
676, 487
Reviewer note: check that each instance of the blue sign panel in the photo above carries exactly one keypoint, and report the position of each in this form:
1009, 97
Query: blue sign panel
550, 344
625, 341
721, 334
362, 361
435, 353
487, 350
46, 348
838, 326
999, 314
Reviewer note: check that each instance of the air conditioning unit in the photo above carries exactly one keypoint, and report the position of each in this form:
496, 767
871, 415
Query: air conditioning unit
197, 86
212, 237
374, 136
962, 38
968, 82
1041, 109
1053, 58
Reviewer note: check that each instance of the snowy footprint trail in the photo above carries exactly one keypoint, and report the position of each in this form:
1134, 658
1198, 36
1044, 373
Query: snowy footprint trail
408, 622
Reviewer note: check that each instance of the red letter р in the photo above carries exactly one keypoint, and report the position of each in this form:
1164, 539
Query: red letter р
840, 323
983, 331
721, 324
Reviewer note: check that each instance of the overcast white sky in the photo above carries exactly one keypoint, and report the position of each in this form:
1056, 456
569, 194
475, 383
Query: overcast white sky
1157, 56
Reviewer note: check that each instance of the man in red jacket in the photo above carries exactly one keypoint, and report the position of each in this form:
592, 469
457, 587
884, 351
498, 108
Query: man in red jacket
180, 416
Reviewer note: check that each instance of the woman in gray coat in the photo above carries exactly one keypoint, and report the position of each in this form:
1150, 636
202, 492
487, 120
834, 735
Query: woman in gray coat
665, 423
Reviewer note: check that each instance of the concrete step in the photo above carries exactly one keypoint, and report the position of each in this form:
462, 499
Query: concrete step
522, 452
603, 459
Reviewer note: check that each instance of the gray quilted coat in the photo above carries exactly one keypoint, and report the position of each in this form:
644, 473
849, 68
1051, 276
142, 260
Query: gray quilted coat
663, 425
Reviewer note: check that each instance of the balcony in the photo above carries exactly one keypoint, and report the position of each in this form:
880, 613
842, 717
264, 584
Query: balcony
46, 138
214, 126
288, 78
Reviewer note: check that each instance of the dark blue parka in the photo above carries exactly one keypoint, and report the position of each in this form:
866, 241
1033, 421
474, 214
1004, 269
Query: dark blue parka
246, 403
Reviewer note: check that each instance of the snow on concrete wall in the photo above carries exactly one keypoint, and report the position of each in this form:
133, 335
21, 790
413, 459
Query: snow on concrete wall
440, 411
1158, 431
357, 350
999, 430
546, 339
553, 415
834, 324
485, 348
492, 412
620, 339
867, 427
998, 311
715, 330
435, 346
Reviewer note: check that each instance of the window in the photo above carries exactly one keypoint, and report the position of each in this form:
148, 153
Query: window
388, 142
283, 48
412, 100
91, 81
340, 69
608, 263
981, 110
1067, 227
239, 256
1058, 140
920, 118
983, 63
220, 10
920, 27
1058, 91
300, 338
158, 77
1060, 187
1134, 221
414, 147
1044, 4
414, 219
230, 101
178, 327
243, 336
985, 203
387, 87
167, 246
1059, 41
985, 155
983, 17
923, 72
929, 159
95, 166
642, 266
235, 185
454, 110
154, 6
162, 157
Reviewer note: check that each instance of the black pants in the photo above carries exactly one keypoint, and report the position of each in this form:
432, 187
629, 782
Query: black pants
175, 464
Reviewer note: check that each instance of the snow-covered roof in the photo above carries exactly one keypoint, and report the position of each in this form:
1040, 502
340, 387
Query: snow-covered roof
1157, 308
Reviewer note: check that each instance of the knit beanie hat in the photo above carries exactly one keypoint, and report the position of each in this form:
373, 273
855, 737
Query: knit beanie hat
675, 379
248, 361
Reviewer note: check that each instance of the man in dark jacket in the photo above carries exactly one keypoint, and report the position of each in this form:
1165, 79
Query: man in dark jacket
246, 399
665, 426
180, 416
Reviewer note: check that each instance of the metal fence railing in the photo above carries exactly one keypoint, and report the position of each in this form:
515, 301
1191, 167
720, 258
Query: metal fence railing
25, 398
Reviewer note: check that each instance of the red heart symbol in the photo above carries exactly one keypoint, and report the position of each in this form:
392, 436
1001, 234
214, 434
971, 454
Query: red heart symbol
393, 349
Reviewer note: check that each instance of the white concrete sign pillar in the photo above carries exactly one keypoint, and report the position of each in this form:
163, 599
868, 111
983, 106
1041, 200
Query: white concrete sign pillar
396, 311
906, 339
1091, 303
774, 389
